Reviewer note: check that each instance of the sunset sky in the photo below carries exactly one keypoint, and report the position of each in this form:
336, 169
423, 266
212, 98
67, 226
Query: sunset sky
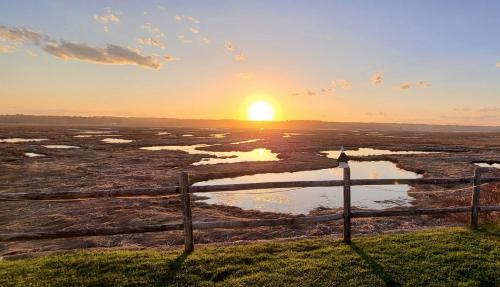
382, 61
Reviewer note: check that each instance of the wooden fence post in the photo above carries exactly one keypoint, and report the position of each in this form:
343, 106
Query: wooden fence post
347, 205
187, 219
474, 220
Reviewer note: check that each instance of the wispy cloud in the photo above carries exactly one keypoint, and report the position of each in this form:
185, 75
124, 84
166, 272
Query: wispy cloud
151, 42
107, 18
205, 40
239, 57
377, 79
153, 30
498, 64
422, 84
229, 46
189, 18
7, 48
21, 35
408, 85
343, 84
194, 30
111, 54
403, 86
170, 58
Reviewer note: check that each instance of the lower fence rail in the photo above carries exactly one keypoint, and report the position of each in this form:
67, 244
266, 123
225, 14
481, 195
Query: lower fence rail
187, 225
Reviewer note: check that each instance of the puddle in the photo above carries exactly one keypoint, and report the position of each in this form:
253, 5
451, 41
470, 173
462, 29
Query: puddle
489, 165
258, 154
60, 146
163, 133
247, 141
96, 132
83, 136
20, 140
32, 154
303, 200
219, 136
188, 135
372, 151
116, 141
289, 135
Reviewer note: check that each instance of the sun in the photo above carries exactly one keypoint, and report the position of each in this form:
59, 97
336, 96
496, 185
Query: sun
260, 111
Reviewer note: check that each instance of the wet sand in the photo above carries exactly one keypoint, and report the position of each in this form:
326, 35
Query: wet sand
100, 165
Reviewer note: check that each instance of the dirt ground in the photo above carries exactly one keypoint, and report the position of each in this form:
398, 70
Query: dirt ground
99, 165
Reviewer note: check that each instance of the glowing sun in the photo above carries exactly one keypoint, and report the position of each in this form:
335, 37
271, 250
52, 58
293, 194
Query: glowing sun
260, 111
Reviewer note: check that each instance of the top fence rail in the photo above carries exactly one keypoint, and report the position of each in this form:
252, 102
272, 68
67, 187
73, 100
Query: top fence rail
172, 190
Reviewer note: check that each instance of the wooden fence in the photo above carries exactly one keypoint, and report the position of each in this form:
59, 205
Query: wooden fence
187, 224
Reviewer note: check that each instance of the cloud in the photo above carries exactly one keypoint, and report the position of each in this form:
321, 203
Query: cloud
112, 54
107, 18
239, 57
310, 93
422, 84
377, 78
189, 18
170, 58
21, 36
343, 84
194, 30
404, 86
7, 49
205, 40
229, 46
498, 64
151, 42
155, 31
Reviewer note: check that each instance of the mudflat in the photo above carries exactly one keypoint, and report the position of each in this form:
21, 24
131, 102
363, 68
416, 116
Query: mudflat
83, 158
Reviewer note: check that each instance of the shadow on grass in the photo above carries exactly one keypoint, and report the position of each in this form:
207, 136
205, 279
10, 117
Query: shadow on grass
174, 267
376, 268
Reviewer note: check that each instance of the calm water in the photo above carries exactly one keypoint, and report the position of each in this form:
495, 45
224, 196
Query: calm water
20, 140
60, 146
32, 154
302, 201
116, 141
259, 154
371, 151
485, 164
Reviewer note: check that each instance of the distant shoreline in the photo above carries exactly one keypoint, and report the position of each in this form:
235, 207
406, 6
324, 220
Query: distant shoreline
39, 120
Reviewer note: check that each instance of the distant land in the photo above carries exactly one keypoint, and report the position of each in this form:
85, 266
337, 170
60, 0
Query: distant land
103, 121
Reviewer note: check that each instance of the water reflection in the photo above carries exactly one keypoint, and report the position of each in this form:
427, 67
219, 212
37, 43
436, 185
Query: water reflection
116, 141
302, 201
20, 140
60, 146
372, 151
490, 165
32, 154
247, 141
258, 154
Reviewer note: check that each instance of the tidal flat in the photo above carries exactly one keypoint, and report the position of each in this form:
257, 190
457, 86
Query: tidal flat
97, 164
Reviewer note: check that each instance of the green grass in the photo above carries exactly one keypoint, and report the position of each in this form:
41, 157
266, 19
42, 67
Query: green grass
437, 257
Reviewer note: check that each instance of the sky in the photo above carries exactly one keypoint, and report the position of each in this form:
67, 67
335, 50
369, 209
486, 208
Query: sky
409, 61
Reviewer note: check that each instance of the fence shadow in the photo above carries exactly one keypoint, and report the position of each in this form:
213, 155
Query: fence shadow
376, 268
174, 267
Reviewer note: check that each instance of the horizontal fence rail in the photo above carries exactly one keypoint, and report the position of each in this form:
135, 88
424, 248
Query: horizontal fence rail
188, 225
172, 190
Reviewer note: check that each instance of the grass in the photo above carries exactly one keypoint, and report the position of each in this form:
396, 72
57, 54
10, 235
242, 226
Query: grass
437, 257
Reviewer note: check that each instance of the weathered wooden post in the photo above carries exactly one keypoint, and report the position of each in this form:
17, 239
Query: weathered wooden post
187, 218
343, 163
474, 220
